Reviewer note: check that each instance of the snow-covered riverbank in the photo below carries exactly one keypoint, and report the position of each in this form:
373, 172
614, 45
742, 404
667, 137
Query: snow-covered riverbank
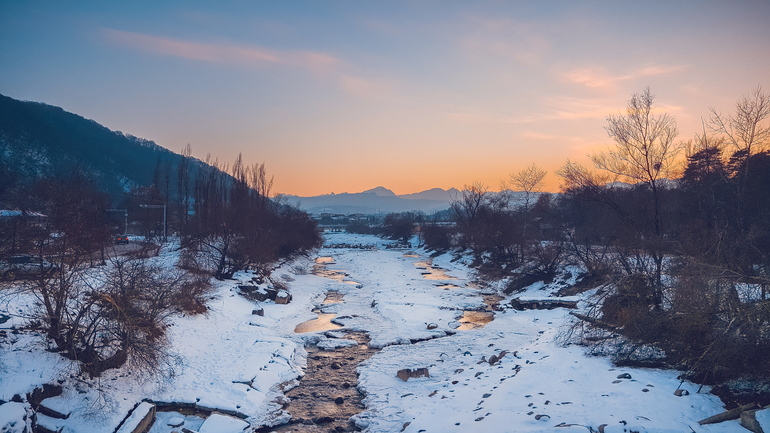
233, 360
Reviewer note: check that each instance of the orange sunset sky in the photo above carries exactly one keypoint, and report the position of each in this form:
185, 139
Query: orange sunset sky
343, 96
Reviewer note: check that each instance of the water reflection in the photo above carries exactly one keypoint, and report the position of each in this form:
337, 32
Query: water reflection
320, 270
322, 323
431, 272
475, 319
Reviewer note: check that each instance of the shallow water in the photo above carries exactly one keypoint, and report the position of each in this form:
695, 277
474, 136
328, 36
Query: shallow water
320, 270
322, 323
475, 320
431, 272
333, 297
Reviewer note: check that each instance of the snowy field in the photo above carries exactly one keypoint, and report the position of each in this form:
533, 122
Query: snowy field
231, 360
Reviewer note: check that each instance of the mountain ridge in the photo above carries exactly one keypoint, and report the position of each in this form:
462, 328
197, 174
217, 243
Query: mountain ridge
376, 200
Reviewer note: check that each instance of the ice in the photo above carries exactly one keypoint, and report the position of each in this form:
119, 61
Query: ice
218, 423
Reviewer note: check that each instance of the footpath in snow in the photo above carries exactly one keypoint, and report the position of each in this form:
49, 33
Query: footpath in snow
505, 375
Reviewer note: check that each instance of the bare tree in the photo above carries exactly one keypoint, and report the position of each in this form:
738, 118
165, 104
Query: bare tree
644, 146
644, 152
528, 180
744, 129
468, 202
183, 183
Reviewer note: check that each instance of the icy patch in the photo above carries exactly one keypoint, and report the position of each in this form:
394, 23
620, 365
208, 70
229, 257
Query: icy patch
218, 423
334, 343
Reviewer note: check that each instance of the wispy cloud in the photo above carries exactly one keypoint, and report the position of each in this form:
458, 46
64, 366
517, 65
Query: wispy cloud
221, 52
597, 77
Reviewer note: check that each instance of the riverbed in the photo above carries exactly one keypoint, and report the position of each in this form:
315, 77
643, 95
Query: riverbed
470, 362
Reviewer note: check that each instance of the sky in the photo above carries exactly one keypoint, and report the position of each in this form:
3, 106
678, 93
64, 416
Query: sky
344, 96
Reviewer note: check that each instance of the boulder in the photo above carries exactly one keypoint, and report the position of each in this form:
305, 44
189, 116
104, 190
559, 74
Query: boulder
407, 373
282, 297
749, 421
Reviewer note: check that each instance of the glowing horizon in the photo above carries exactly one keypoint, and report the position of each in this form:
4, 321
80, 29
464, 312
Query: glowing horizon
345, 97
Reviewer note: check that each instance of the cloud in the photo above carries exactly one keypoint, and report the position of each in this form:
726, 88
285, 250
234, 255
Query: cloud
591, 77
570, 108
221, 52
597, 78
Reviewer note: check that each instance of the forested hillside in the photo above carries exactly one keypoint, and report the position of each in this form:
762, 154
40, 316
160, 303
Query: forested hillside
38, 140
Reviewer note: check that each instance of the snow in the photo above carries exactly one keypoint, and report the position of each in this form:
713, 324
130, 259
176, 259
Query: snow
218, 423
167, 422
136, 417
763, 418
13, 418
230, 360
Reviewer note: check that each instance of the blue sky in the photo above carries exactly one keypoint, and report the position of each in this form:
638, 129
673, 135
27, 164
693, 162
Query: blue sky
343, 96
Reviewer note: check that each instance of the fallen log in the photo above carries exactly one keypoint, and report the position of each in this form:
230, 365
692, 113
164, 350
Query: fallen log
542, 304
728, 415
596, 322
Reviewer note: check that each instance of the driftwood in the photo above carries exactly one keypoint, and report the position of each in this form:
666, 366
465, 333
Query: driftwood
596, 322
542, 304
728, 415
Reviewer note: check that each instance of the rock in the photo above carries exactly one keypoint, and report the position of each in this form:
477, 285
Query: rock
494, 359
680, 392
258, 312
432, 326
624, 376
324, 420
282, 297
406, 373
336, 366
339, 400
542, 417
749, 421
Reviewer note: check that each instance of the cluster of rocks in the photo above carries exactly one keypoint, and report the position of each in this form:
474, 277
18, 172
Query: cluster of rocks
353, 246
262, 294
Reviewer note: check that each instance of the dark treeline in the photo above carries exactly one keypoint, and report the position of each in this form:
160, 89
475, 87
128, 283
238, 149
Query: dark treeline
681, 261
105, 309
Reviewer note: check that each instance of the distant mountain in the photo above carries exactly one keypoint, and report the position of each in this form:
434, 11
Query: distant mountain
380, 191
437, 194
38, 140
376, 200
